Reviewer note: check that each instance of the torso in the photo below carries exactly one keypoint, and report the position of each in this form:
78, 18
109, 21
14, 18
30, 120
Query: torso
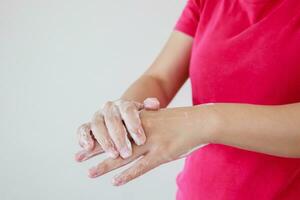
244, 52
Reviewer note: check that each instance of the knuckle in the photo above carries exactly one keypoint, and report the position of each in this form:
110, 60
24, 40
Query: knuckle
83, 129
80, 128
107, 105
107, 144
118, 102
97, 117
112, 113
127, 106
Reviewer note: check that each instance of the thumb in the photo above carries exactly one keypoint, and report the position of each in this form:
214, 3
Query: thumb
151, 103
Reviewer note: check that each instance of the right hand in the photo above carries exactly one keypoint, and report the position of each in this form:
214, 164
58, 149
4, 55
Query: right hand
107, 130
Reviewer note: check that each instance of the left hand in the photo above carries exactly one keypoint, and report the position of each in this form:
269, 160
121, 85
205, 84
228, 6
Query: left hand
109, 127
169, 137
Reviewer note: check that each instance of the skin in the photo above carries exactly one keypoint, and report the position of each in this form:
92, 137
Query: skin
107, 133
173, 133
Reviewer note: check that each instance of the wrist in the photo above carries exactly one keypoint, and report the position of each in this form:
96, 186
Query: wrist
206, 123
215, 123
195, 125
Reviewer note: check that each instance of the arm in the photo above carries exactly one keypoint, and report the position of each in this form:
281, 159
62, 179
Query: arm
173, 133
162, 80
272, 130
167, 73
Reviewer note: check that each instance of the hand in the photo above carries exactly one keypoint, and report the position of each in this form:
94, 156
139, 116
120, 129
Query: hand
169, 137
107, 131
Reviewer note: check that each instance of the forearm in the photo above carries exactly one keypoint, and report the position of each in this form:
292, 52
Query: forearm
166, 74
272, 130
144, 87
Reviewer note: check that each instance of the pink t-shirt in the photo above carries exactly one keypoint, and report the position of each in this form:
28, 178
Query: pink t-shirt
244, 51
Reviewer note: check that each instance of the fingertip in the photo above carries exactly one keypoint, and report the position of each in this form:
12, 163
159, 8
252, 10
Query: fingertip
151, 103
136, 139
93, 172
141, 137
117, 182
125, 153
89, 146
113, 154
79, 156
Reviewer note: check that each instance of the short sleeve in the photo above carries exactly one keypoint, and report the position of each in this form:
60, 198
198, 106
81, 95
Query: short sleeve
189, 18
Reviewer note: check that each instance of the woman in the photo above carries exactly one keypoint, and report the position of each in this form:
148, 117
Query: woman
242, 57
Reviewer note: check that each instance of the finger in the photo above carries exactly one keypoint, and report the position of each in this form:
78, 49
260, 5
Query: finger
131, 118
116, 130
85, 155
151, 103
142, 166
111, 164
138, 105
86, 140
101, 134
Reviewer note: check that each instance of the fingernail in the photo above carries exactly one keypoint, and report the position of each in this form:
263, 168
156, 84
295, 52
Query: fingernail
117, 182
136, 138
125, 153
94, 172
88, 146
85, 144
151, 103
113, 154
140, 138
79, 156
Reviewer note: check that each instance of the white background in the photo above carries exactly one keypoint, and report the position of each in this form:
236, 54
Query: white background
61, 60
